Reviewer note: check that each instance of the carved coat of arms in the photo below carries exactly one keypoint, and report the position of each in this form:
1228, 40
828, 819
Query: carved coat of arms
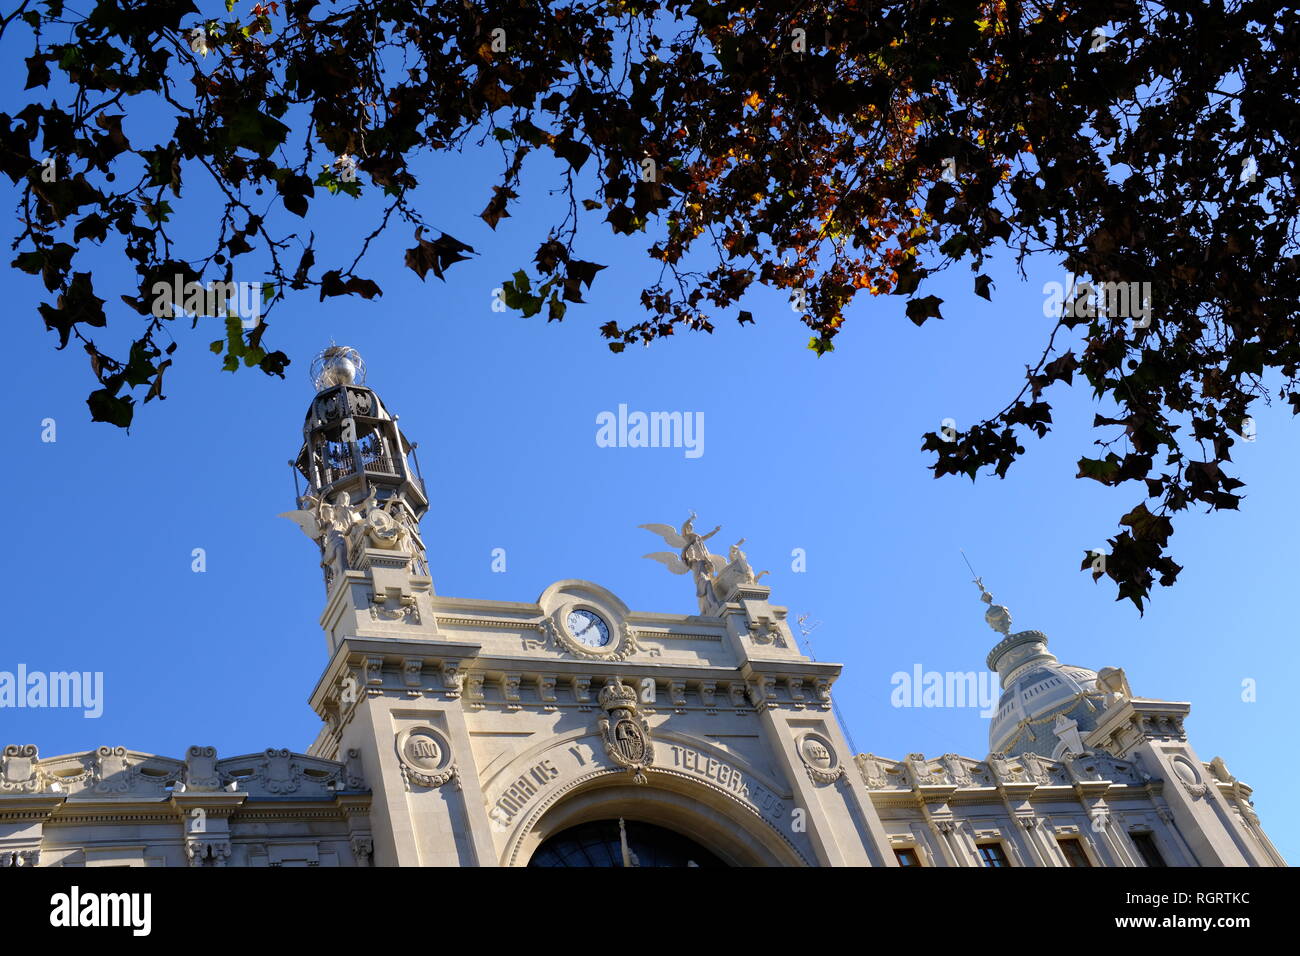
625, 732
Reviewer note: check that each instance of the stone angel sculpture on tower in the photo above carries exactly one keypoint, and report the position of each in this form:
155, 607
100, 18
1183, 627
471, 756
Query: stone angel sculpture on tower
328, 525
740, 563
694, 555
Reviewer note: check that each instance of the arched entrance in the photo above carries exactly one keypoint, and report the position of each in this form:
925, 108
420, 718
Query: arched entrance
701, 816
611, 843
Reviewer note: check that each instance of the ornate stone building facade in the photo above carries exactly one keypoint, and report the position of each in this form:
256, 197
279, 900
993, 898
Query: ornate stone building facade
573, 730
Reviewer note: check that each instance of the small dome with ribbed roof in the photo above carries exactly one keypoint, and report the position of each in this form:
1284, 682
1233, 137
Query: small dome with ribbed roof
1037, 690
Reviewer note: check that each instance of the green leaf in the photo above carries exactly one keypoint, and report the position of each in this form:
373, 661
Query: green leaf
909, 277
511, 296
573, 152
107, 407
251, 129
294, 188
38, 73
32, 261
157, 212
954, 246
583, 271
1103, 470
918, 310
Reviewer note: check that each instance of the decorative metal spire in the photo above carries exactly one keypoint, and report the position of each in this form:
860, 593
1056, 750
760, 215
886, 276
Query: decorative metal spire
337, 365
364, 494
997, 616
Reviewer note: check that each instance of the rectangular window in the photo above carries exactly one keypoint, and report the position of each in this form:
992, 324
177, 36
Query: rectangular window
1146, 846
907, 856
992, 854
1075, 855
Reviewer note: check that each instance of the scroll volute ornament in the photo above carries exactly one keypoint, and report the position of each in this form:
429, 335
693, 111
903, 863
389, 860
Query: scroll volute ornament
19, 770
624, 731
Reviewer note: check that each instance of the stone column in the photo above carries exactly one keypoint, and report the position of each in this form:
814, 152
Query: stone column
1032, 829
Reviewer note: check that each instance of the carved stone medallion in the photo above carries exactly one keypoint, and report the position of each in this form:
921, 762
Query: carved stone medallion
819, 758
425, 756
384, 531
1189, 777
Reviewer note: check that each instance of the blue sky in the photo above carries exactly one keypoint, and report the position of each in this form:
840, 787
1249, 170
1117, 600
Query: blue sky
800, 452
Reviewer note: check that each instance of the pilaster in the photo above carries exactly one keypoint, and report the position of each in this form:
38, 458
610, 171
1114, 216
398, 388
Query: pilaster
1151, 733
22, 823
205, 818
404, 719
843, 823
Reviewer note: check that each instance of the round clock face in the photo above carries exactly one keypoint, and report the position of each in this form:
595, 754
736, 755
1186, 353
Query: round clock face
588, 628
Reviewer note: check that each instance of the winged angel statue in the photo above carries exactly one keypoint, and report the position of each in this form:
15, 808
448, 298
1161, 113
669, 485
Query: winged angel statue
328, 525
694, 555
387, 526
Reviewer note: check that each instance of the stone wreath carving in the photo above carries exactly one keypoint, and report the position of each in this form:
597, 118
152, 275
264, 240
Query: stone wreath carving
819, 759
622, 646
406, 610
625, 733
1190, 777
425, 757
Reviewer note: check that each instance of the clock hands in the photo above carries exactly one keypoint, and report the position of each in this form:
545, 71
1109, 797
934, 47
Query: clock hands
582, 634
